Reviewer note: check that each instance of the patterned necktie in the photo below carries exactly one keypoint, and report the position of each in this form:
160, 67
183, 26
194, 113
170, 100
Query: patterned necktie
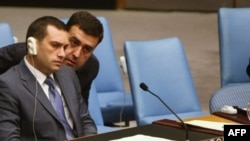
57, 104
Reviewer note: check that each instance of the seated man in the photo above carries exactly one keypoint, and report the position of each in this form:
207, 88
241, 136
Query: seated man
40, 99
85, 33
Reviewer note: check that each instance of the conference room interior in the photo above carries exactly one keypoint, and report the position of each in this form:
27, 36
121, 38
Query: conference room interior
196, 28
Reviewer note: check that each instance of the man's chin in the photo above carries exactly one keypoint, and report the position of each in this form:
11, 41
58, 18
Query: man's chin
55, 69
68, 63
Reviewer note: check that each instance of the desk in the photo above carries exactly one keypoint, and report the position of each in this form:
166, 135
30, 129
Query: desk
151, 130
240, 117
177, 124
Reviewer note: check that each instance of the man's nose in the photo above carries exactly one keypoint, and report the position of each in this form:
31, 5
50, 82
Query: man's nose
61, 52
77, 52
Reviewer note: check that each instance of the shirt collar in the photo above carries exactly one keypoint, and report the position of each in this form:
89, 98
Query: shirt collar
40, 77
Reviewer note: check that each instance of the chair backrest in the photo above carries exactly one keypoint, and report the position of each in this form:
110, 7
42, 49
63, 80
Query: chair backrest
162, 65
234, 44
232, 95
116, 103
94, 106
6, 34
95, 112
109, 77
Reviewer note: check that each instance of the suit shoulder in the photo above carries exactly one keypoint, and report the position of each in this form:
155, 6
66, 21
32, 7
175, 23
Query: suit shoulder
10, 75
91, 66
67, 69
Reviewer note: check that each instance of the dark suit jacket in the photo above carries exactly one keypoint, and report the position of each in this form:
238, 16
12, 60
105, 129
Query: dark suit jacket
17, 105
13, 54
248, 70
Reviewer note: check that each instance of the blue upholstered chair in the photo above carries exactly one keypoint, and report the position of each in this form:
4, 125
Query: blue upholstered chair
163, 66
232, 95
6, 34
116, 104
95, 112
234, 44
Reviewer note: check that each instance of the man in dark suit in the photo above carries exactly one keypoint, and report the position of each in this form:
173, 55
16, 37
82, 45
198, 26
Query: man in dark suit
12, 54
40, 98
86, 32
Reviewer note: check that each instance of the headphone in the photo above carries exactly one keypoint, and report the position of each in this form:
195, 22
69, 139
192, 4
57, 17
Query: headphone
32, 46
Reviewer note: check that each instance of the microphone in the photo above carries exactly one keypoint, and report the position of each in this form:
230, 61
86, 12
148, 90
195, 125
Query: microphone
144, 87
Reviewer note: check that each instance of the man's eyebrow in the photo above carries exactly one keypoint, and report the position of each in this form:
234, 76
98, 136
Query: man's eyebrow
74, 39
57, 43
88, 46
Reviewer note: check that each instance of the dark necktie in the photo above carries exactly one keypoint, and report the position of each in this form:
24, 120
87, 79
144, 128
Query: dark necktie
57, 104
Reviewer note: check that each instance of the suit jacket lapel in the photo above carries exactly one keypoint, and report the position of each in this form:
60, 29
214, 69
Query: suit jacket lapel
67, 94
30, 83
29, 80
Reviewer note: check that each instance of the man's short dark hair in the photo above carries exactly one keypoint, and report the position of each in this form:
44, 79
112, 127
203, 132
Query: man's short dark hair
88, 23
38, 28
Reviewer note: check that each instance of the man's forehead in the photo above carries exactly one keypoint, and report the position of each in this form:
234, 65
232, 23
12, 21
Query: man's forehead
57, 35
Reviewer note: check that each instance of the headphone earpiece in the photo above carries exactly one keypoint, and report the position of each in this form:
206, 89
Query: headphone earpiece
32, 45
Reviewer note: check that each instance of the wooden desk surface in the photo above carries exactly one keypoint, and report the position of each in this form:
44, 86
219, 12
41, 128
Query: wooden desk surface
177, 124
240, 117
166, 128
162, 131
211, 118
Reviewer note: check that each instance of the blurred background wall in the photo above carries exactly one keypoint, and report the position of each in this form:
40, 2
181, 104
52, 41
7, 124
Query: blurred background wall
187, 5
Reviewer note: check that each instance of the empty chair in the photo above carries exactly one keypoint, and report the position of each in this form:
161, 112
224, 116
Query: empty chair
234, 44
232, 95
6, 34
162, 65
95, 112
116, 104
